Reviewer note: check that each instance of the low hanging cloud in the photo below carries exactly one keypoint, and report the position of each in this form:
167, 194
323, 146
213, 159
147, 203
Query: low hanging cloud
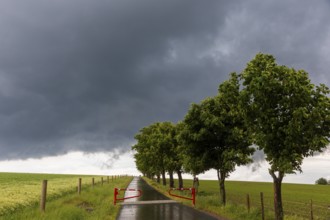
112, 157
258, 158
87, 75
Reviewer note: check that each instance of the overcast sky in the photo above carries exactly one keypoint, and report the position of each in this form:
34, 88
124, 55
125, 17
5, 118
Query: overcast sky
85, 76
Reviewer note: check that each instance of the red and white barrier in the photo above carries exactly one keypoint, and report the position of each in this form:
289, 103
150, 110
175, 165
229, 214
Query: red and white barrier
116, 193
193, 194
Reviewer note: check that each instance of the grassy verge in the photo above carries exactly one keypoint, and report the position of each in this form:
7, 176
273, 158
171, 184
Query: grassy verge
296, 198
208, 201
93, 203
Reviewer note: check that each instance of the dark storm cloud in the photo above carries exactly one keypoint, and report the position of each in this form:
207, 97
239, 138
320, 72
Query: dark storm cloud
297, 33
87, 75
83, 75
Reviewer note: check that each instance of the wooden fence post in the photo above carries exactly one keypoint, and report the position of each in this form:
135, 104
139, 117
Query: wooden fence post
262, 206
43, 195
108, 179
79, 186
93, 182
312, 217
248, 202
102, 181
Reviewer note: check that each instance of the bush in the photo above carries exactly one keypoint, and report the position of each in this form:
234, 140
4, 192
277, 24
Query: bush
321, 181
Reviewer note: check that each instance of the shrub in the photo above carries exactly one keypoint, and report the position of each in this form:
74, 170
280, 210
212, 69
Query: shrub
321, 181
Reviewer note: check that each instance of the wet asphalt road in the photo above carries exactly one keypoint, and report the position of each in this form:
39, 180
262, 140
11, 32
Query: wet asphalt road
170, 211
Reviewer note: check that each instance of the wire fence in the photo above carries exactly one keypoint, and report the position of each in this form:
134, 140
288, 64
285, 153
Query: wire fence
307, 210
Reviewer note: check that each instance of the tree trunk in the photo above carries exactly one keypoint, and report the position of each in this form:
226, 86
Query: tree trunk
180, 178
171, 179
278, 206
158, 178
221, 179
164, 177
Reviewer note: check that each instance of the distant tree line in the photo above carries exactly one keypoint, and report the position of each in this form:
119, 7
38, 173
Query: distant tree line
274, 108
322, 181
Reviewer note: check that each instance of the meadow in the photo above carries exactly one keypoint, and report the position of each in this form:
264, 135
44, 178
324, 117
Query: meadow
20, 196
296, 199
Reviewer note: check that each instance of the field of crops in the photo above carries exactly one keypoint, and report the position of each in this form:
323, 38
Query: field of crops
296, 199
18, 190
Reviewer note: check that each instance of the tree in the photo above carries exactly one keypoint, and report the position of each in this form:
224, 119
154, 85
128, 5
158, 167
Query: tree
189, 164
172, 159
175, 156
156, 150
145, 158
287, 115
215, 135
321, 181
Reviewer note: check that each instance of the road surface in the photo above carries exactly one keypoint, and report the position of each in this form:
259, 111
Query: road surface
153, 205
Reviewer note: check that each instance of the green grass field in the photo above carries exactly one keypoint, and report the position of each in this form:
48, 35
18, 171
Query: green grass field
20, 196
296, 199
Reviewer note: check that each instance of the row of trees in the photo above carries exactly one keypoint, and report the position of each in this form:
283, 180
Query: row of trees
266, 107
158, 152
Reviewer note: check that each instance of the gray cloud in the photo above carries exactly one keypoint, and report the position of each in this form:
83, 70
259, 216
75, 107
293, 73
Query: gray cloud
87, 75
81, 75
296, 32
258, 158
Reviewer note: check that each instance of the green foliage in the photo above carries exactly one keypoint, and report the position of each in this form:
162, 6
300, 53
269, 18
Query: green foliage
321, 181
157, 149
191, 163
214, 133
276, 108
289, 117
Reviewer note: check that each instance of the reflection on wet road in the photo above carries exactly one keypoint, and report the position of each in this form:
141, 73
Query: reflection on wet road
170, 211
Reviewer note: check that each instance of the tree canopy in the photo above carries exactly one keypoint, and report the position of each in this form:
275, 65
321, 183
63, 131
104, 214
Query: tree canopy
288, 116
321, 181
214, 133
156, 149
274, 107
